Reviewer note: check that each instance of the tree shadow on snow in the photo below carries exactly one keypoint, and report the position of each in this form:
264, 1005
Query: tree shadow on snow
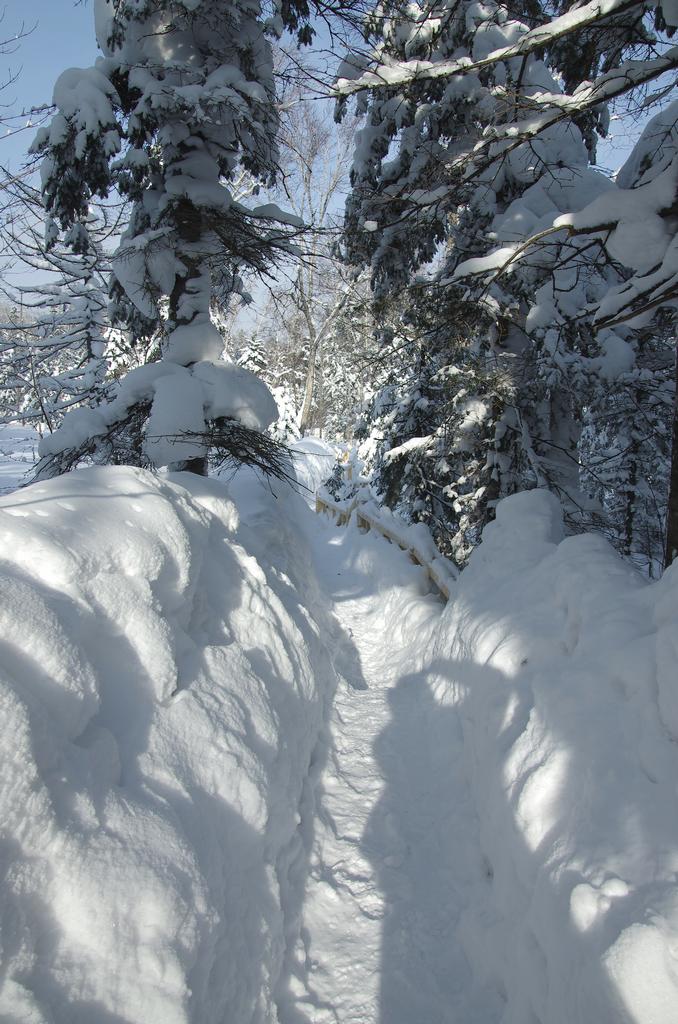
461, 917
424, 859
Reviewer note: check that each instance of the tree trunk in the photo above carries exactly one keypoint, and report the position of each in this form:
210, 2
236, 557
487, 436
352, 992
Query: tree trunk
197, 466
182, 310
630, 505
309, 388
671, 551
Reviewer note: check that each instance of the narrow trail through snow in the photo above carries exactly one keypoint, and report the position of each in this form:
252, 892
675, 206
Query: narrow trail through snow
395, 851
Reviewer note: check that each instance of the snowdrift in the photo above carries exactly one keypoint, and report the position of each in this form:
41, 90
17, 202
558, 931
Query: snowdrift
168, 662
563, 666
163, 689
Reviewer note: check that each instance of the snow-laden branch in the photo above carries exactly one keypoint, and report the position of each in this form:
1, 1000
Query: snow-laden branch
616, 83
636, 227
403, 72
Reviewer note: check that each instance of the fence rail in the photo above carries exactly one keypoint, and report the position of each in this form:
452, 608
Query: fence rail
439, 570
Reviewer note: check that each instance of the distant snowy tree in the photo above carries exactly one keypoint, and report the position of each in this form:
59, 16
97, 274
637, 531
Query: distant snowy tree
182, 100
55, 355
252, 355
54, 351
255, 355
312, 328
350, 370
325, 391
310, 307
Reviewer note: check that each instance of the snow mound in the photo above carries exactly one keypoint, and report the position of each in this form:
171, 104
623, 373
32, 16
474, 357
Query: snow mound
313, 461
484, 831
162, 692
561, 663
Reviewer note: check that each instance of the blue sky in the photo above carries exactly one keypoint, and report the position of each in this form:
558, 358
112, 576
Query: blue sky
60, 35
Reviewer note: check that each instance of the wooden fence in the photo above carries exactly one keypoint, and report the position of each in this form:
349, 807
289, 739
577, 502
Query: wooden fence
439, 570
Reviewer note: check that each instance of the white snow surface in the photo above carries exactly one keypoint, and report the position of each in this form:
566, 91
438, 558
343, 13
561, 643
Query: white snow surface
177, 411
193, 342
234, 392
642, 233
562, 666
255, 771
163, 692
313, 460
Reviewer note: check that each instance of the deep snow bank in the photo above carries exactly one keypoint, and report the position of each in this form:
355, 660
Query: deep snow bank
314, 460
163, 687
564, 667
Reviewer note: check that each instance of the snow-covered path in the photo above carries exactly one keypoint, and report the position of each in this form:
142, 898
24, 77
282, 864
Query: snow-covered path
511, 703
396, 853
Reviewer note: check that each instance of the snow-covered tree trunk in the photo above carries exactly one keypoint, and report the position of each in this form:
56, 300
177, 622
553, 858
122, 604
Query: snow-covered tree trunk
309, 386
671, 552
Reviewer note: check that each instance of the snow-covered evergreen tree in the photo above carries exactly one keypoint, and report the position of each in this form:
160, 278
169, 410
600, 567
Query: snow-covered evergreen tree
181, 101
478, 137
350, 367
637, 225
65, 343
603, 319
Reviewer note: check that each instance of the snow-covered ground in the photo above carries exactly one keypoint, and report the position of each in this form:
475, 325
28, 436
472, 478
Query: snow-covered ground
166, 674
255, 772
497, 835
